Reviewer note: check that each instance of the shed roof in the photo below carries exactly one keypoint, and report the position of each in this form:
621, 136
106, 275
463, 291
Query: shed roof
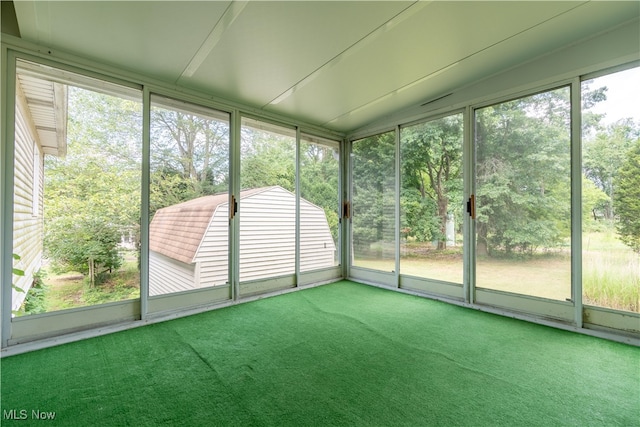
176, 231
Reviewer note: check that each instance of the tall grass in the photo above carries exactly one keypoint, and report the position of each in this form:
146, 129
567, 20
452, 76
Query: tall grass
610, 272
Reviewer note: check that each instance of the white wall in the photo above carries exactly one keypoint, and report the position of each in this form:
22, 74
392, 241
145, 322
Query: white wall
27, 221
167, 275
212, 255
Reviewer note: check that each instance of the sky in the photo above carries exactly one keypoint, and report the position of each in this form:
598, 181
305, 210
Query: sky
623, 96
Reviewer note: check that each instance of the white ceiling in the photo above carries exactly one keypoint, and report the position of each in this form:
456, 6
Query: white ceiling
336, 64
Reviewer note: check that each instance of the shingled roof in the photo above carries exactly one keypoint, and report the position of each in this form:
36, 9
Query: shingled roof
176, 231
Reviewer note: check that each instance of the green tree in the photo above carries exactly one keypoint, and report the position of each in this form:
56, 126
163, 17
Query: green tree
319, 175
189, 156
593, 200
267, 159
627, 203
603, 155
431, 168
92, 196
373, 191
84, 244
522, 170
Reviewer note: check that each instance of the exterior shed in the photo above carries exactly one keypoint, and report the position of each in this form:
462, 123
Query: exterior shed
40, 129
188, 242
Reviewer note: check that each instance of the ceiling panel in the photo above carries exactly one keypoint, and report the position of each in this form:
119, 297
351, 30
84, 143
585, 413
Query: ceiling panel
435, 38
273, 45
156, 38
593, 17
336, 63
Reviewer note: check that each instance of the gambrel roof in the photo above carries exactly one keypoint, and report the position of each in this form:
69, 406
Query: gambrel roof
176, 231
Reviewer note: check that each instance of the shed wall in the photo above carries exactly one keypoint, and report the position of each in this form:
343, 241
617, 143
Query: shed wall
317, 248
212, 256
267, 244
267, 234
167, 275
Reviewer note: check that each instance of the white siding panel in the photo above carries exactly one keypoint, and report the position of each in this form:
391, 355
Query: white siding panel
27, 228
317, 249
267, 234
213, 253
167, 275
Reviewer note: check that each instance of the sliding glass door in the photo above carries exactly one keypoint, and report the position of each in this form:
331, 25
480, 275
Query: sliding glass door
76, 210
523, 193
611, 191
189, 199
319, 203
267, 203
373, 202
431, 214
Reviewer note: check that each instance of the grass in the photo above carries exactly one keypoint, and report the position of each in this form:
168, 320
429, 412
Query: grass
71, 289
611, 275
611, 271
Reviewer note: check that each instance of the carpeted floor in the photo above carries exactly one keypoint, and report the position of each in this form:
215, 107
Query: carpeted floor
340, 354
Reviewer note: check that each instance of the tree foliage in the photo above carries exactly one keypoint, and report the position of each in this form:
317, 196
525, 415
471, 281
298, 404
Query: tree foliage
92, 196
603, 156
189, 156
627, 203
319, 176
431, 178
373, 192
267, 159
523, 180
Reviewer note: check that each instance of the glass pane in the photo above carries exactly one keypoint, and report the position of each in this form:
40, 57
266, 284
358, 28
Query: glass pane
431, 199
373, 199
77, 191
319, 203
611, 191
189, 199
523, 196
267, 205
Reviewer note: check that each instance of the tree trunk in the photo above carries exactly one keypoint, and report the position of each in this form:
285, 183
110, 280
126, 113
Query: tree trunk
92, 273
482, 249
443, 207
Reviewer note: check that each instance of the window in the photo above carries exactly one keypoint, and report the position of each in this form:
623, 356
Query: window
267, 205
373, 202
319, 203
523, 224
189, 198
91, 134
611, 191
431, 199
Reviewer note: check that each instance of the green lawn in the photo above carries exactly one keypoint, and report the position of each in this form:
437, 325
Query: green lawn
611, 275
611, 272
71, 289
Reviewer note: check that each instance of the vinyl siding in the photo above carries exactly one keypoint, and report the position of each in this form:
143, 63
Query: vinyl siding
27, 227
267, 235
213, 253
167, 275
317, 249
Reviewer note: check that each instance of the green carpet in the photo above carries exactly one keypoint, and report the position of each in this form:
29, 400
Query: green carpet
340, 354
